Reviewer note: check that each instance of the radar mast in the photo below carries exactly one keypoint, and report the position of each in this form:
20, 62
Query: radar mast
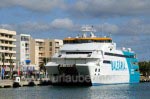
87, 29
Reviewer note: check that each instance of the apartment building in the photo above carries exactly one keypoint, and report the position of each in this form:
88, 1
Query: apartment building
7, 49
23, 49
37, 52
30, 52
43, 48
52, 47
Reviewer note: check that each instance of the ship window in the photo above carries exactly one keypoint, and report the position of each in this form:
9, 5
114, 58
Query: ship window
135, 63
137, 70
85, 41
78, 52
107, 62
59, 55
96, 70
119, 55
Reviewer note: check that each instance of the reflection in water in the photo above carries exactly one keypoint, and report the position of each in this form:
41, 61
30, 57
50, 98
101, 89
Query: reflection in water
119, 91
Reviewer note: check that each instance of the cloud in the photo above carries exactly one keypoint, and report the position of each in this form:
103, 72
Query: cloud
62, 23
133, 33
56, 25
34, 5
110, 8
131, 27
85, 8
135, 26
107, 28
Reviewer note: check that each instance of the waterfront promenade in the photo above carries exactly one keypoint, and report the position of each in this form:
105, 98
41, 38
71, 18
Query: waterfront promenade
9, 83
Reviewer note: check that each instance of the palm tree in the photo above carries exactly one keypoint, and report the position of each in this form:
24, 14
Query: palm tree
11, 65
42, 66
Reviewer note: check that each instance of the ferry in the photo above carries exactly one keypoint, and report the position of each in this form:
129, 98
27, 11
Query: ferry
91, 60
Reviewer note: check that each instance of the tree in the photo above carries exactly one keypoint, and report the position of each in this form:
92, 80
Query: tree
144, 68
42, 66
3, 61
11, 65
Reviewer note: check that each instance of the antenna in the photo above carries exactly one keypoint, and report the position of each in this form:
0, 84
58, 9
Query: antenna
87, 28
102, 29
110, 34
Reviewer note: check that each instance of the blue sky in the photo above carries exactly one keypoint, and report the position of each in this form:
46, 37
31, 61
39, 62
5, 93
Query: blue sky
127, 20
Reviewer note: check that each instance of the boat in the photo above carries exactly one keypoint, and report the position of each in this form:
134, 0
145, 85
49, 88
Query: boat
91, 60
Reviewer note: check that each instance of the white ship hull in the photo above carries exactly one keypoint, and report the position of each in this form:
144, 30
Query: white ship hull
85, 74
94, 61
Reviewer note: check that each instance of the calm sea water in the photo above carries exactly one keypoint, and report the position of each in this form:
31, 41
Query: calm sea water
120, 91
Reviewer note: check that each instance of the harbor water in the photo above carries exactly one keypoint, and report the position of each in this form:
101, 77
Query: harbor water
118, 91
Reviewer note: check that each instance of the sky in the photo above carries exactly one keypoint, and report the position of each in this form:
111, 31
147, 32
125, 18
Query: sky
128, 21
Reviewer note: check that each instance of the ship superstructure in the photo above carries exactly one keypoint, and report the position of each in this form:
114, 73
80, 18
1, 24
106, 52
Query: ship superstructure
92, 60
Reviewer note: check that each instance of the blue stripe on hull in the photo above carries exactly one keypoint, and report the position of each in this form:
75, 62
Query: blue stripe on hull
134, 75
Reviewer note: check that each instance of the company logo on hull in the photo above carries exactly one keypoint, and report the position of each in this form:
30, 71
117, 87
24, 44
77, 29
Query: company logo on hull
118, 66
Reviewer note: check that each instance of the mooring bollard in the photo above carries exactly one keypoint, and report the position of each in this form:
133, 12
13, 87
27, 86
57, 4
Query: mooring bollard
16, 83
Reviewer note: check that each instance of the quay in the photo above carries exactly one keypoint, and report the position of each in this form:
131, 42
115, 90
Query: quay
43, 82
9, 83
144, 79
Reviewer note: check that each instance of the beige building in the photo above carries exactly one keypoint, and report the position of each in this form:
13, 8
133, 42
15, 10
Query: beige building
7, 46
43, 48
37, 51
27, 48
52, 47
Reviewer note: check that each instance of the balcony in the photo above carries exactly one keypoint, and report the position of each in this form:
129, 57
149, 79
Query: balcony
7, 39
7, 57
41, 51
7, 32
7, 63
7, 45
7, 51
41, 56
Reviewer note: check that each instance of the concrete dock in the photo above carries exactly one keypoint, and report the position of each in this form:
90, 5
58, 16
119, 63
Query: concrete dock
9, 83
6, 83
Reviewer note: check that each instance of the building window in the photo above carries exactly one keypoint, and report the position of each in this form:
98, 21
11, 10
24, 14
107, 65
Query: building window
57, 44
50, 43
50, 49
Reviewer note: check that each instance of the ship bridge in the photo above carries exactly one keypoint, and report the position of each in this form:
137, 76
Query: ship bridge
87, 40
86, 30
